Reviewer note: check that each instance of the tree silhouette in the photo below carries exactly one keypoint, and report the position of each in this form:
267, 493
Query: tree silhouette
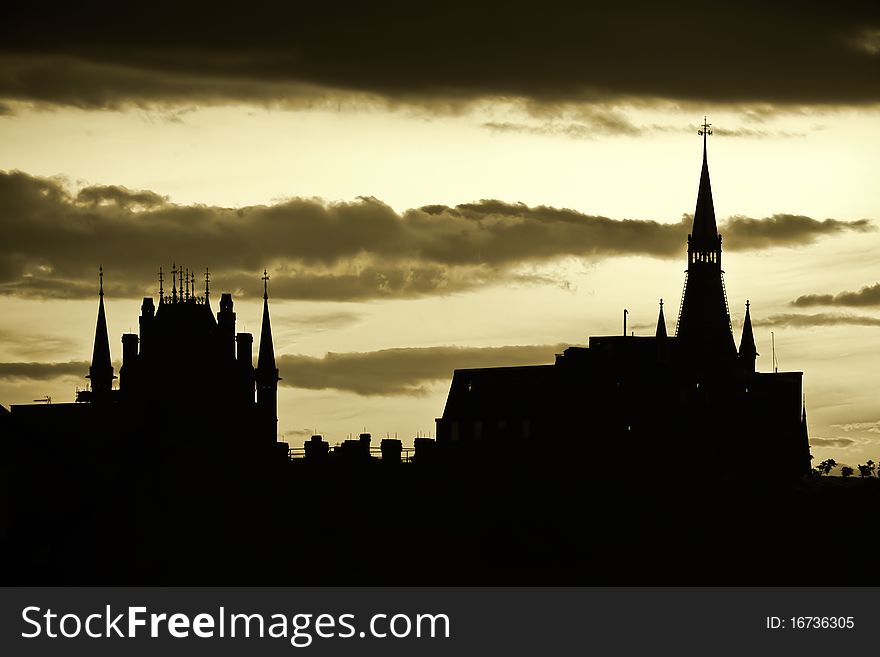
826, 466
866, 470
846, 471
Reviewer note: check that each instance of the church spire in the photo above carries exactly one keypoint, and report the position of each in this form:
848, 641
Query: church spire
704, 319
266, 374
705, 232
101, 371
266, 359
661, 323
747, 350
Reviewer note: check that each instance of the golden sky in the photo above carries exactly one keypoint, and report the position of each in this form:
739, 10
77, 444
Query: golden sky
431, 192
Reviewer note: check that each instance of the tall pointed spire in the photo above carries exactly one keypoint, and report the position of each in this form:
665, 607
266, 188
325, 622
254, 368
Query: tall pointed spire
704, 320
266, 359
661, 323
747, 350
101, 370
266, 374
705, 232
207, 287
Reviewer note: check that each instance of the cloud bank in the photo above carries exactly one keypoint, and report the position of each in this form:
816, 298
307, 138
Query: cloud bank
98, 55
55, 238
795, 320
867, 296
44, 371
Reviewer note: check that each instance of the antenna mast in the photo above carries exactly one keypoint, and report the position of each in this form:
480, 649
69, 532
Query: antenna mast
773, 343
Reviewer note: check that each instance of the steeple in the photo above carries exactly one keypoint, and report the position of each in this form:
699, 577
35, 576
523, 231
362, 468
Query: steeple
266, 374
661, 323
704, 320
101, 371
266, 359
747, 350
705, 233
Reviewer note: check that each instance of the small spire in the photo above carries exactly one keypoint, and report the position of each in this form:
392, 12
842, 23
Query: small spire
266, 359
186, 298
747, 350
161, 283
173, 282
193, 283
180, 276
101, 370
207, 284
661, 323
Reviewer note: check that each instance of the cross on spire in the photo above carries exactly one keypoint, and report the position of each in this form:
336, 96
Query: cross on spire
161, 281
101, 279
705, 132
265, 284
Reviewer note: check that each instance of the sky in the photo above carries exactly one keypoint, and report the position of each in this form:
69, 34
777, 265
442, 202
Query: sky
442, 186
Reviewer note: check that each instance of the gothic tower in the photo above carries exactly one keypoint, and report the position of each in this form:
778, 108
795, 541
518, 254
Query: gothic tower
704, 320
267, 374
101, 371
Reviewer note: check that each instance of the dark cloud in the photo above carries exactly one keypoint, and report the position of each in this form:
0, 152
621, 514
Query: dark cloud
745, 233
832, 442
44, 371
402, 371
819, 319
54, 240
104, 55
121, 196
867, 296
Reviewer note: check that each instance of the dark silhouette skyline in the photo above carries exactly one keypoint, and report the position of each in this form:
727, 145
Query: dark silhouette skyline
176, 475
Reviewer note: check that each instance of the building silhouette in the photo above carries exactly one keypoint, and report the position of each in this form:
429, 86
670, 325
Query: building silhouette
692, 397
187, 383
664, 459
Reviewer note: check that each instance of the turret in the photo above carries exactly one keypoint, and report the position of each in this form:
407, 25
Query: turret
267, 373
747, 350
226, 322
127, 376
661, 323
101, 371
146, 322
245, 358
